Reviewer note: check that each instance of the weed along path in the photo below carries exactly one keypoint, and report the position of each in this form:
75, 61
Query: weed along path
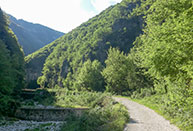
144, 119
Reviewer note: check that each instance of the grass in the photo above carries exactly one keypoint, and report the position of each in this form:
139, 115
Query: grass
148, 103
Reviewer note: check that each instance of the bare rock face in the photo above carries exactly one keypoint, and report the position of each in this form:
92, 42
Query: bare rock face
32, 75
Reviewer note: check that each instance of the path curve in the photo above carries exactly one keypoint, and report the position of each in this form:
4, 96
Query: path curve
144, 119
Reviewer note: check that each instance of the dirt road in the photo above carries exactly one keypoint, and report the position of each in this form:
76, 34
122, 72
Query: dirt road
144, 119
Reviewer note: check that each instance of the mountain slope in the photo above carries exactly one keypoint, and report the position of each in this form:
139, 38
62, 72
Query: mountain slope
11, 67
61, 60
32, 36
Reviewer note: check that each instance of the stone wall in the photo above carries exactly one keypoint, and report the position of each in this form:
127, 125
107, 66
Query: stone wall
46, 114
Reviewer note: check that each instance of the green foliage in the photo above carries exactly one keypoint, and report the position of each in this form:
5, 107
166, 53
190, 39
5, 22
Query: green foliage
11, 68
104, 114
119, 73
5, 65
90, 77
164, 52
66, 98
38, 96
115, 73
167, 41
142, 93
62, 59
3, 19
178, 105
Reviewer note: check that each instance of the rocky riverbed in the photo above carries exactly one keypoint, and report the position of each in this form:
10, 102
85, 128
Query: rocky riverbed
30, 125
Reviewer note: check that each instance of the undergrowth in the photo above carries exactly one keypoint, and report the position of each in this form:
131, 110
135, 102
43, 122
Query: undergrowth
104, 113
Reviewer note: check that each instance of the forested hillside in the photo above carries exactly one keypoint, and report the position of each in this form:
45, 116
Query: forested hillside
32, 36
60, 61
11, 67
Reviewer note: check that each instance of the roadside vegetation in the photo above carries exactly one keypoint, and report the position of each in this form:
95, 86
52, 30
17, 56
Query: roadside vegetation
103, 113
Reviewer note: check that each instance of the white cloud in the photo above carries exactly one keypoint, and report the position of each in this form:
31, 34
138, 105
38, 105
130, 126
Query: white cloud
100, 5
118, 1
62, 15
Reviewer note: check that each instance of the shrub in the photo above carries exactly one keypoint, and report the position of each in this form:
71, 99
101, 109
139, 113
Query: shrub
104, 114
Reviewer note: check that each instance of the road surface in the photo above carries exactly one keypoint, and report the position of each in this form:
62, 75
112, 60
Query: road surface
144, 119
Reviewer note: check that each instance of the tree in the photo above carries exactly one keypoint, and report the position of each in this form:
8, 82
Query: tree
90, 77
165, 52
119, 73
166, 47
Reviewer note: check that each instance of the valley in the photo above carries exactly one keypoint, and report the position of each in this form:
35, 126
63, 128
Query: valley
136, 49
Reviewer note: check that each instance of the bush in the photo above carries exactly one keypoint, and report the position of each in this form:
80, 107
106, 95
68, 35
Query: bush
119, 74
8, 105
90, 77
143, 92
104, 114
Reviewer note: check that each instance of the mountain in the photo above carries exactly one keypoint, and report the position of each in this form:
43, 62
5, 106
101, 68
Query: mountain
58, 63
32, 36
11, 67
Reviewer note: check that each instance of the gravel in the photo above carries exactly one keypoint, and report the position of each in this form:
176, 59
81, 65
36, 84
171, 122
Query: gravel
144, 119
29, 125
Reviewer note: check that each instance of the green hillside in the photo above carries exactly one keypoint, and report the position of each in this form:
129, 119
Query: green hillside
59, 62
11, 67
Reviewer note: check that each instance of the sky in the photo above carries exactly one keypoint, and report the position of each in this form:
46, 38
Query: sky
61, 15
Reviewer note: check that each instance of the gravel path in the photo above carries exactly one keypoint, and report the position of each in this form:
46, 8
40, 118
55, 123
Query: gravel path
144, 119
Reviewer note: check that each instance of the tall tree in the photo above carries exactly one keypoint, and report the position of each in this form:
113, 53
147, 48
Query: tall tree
119, 73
